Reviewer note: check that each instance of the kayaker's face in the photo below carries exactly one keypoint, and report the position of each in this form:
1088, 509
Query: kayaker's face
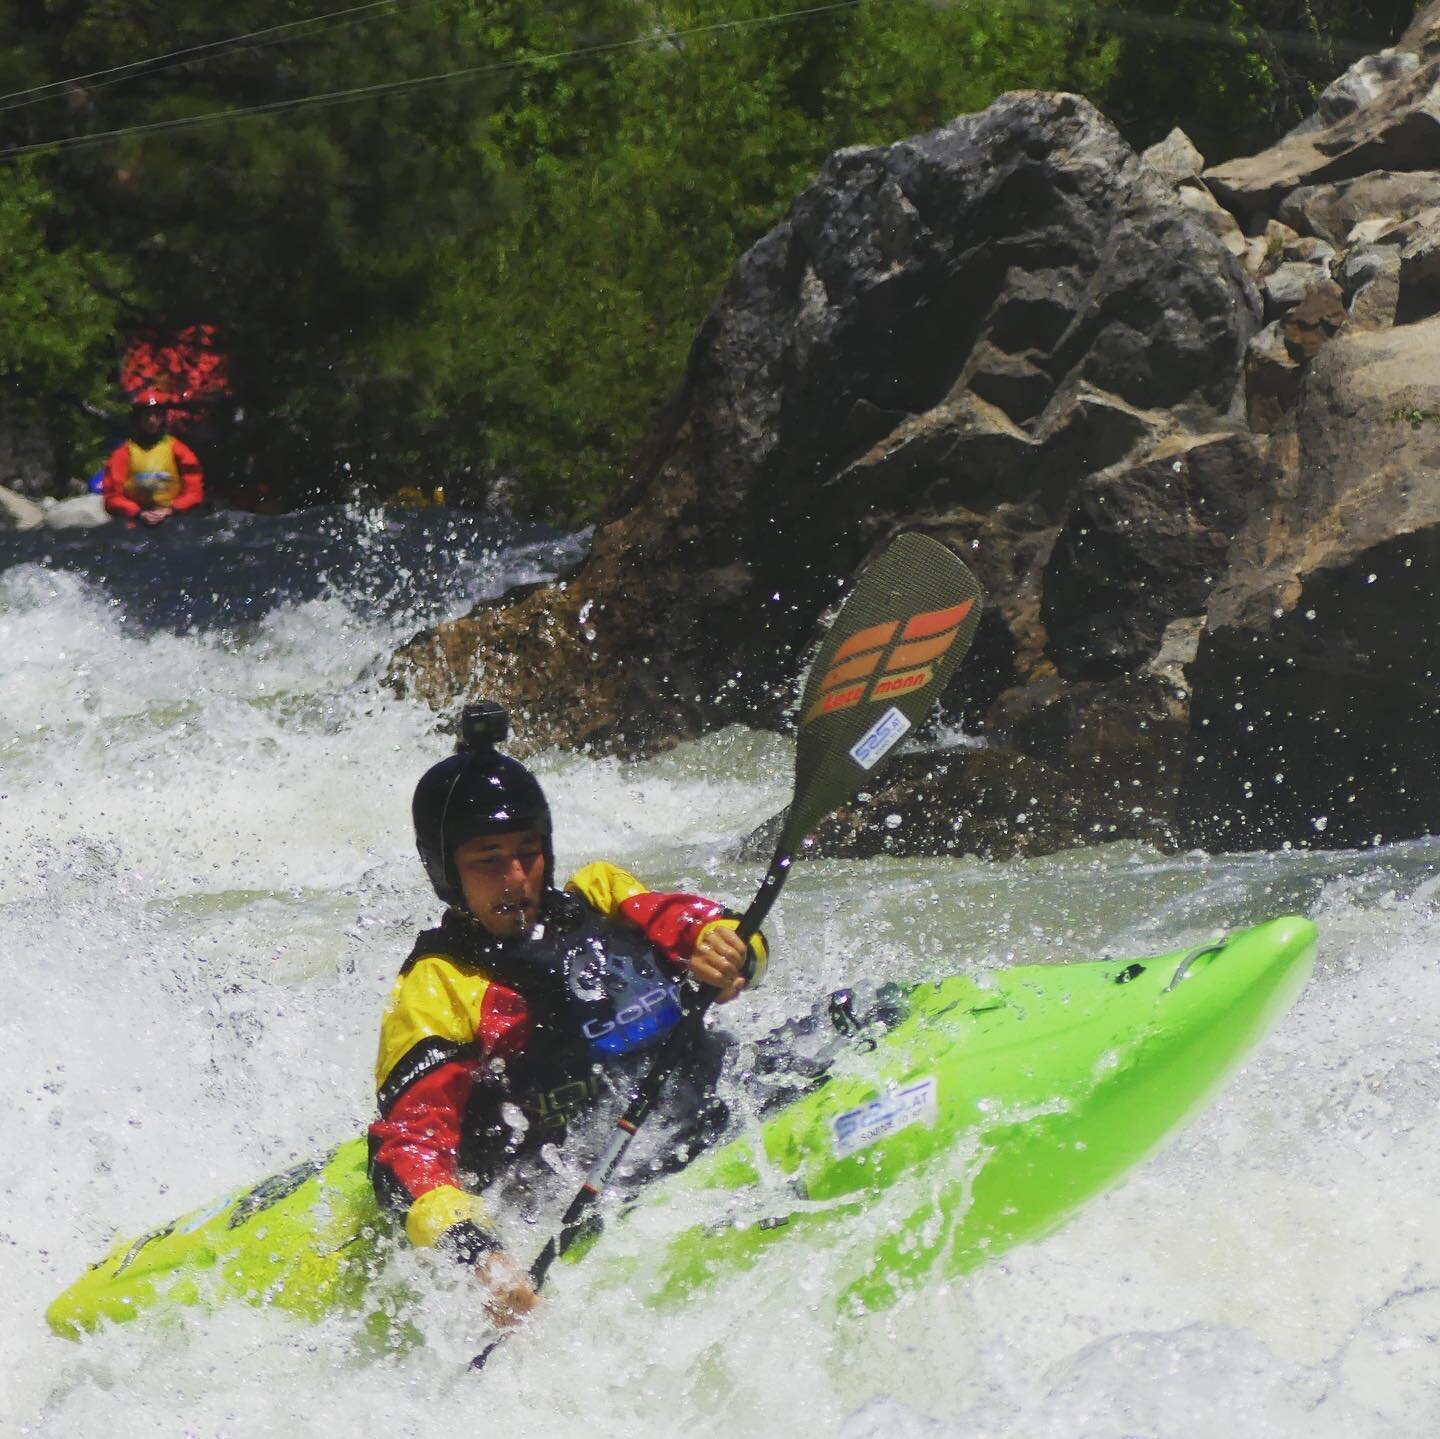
502, 877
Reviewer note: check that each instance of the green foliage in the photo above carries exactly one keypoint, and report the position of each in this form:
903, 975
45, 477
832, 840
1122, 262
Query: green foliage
591, 290
1236, 74
57, 324
54, 323
500, 275
307, 238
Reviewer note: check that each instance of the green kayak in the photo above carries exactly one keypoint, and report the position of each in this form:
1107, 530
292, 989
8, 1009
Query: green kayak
1055, 1079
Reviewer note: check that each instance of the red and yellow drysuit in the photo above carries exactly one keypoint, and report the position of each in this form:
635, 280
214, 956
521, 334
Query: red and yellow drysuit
166, 476
458, 1048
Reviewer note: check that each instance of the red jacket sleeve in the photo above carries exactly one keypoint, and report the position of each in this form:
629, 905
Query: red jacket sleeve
192, 477
444, 1023
671, 922
417, 1141
112, 488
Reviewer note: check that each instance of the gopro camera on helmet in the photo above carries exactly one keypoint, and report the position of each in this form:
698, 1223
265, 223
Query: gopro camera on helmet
482, 726
476, 791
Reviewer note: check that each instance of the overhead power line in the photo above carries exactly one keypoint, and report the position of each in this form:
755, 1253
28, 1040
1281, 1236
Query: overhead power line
397, 87
1135, 22
156, 64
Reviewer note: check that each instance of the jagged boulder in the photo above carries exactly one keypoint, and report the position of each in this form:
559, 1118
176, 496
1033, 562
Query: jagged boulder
957, 332
1316, 711
1209, 548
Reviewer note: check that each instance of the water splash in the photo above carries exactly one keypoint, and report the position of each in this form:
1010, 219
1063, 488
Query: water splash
210, 883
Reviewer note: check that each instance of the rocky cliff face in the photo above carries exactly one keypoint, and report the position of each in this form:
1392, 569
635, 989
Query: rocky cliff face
1184, 423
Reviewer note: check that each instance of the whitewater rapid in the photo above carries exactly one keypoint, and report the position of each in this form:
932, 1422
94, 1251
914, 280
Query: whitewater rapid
209, 883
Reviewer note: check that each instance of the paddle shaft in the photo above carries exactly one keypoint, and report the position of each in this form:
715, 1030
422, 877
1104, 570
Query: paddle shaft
676, 1046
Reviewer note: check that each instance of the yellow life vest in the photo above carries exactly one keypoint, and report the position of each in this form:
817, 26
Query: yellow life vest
154, 477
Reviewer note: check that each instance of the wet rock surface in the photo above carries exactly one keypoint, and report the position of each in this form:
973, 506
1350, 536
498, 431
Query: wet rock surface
1183, 423
956, 332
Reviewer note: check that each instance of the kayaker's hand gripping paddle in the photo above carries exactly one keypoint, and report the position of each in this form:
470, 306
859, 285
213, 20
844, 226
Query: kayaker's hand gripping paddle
883, 663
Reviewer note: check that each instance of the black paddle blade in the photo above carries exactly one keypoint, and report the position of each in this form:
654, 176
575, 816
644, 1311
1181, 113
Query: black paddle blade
885, 661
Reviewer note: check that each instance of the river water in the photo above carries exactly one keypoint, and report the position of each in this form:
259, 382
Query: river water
209, 883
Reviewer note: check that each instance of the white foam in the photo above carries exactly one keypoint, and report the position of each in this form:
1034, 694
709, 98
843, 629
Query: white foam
209, 882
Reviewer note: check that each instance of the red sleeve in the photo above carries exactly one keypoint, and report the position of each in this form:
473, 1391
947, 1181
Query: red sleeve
117, 471
192, 477
671, 922
415, 1144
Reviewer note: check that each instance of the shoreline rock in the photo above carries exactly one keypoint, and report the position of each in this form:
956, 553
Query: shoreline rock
19, 513
1184, 422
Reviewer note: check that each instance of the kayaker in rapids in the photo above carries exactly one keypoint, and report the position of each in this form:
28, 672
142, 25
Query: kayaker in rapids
152, 475
524, 1008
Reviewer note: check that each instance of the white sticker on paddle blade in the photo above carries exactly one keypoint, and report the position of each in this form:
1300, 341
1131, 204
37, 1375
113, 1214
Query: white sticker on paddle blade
879, 739
858, 1129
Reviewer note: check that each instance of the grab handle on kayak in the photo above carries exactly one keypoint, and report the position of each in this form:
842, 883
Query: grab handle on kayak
1183, 968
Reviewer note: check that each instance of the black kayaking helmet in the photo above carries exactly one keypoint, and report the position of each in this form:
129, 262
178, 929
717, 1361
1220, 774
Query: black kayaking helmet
476, 791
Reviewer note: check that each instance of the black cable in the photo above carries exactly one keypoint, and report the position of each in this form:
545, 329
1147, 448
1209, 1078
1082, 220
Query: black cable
395, 87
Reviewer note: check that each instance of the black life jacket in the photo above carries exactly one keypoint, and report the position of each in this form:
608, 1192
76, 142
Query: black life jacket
596, 987
599, 995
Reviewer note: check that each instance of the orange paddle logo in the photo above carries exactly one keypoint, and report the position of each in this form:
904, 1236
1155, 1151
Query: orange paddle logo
885, 662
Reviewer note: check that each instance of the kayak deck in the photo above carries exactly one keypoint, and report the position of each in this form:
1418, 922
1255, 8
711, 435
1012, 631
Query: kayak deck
1055, 1079
1060, 1078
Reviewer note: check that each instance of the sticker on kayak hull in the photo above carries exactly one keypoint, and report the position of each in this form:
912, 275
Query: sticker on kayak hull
879, 739
858, 1129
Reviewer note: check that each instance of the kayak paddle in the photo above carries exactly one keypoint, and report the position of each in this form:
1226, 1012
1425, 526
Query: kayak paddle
883, 663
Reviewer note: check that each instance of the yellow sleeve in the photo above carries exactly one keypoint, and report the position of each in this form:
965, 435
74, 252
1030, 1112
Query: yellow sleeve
434, 1014
605, 886
434, 999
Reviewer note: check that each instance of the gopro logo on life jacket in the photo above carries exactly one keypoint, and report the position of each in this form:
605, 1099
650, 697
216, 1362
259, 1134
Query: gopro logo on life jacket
635, 1023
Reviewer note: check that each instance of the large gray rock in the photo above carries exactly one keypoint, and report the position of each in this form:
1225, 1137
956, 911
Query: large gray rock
1316, 716
956, 331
